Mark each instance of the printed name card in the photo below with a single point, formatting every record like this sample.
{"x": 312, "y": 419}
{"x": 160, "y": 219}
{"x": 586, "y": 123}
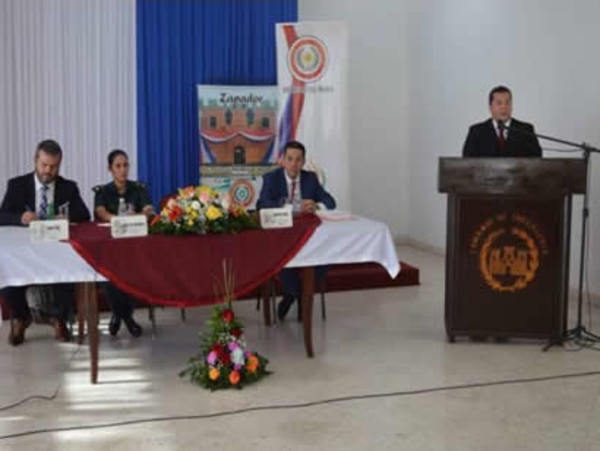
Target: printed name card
{"x": 276, "y": 218}
{"x": 48, "y": 230}
{"x": 128, "y": 226}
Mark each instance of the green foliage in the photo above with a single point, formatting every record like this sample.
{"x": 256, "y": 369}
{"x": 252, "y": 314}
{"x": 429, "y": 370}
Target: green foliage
{"x": 229, "y": 224}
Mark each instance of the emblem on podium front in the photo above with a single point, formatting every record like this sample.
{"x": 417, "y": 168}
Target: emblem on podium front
{"x": 509, "y": 249}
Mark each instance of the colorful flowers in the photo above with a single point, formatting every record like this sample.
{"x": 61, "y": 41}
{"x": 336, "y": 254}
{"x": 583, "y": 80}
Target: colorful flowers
{"x": 214, "y": 374}
{"x": 174, "y": 213}
{"x": 224, "y": 360}
{"x": 237, "y": 357}
{"x": 228, "y": 315}
{"x": 213, "y": 213}
{"x": 252, "y": 364}
{"x": 234, "y": 377}
{"x": 236, "y": 332}
{"x": 201, "y": 210}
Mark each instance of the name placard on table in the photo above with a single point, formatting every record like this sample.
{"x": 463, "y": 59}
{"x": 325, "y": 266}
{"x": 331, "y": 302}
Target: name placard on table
{"x": 276, "y": 218}
{"x": 128, "y": 226}
{"x": 48, "y": 230}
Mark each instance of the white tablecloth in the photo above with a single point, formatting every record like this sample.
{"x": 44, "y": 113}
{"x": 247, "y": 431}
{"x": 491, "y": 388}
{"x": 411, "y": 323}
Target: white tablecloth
{"x": 353, "y": 240}
{"x": 26, "y": 263}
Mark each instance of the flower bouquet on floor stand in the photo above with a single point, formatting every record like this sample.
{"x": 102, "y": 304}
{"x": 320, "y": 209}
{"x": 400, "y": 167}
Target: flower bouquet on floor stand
{"x": 224, "y": 360}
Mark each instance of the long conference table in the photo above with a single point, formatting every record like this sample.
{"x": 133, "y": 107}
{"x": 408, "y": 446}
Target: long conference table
{"x": 337, "y": 240}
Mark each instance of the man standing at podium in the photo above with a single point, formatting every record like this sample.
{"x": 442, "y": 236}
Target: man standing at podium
{"x": 501, "y": 135}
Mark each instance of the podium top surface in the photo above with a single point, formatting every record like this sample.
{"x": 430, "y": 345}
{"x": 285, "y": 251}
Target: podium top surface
{"x": 545, "y": 177}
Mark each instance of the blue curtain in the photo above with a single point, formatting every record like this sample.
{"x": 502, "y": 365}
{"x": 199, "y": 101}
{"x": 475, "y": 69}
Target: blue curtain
{"x": 183, "y": 43}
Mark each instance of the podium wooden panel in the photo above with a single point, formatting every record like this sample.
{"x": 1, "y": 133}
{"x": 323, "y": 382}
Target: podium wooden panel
{"x": 507, "y": 254}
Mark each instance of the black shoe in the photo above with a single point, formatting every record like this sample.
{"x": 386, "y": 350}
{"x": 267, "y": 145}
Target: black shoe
{"x": 284, "y": 306}
{"x": 134, "y": 328}
{"x": 16, "y": 335}
{"x": 61, "y": 331}
{"x": 114, "y": 325}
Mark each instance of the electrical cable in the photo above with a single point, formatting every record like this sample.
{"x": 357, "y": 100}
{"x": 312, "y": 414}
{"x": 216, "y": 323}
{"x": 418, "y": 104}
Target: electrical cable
{"x": 342, "y": 399}
{"x": 43, "y": 397}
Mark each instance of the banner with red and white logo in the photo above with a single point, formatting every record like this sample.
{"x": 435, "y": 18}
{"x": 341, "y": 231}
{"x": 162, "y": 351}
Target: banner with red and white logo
{"x": 238, "y": 129}
{"x": 311, "y": 74}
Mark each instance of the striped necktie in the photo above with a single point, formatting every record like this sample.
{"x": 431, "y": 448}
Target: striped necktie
{"x": 44, "y": 202}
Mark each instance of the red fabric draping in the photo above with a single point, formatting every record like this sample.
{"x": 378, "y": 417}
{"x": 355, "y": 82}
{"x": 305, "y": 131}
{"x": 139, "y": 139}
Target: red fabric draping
{"x": 181, "y": 270}
{"x": 223, "y": 135}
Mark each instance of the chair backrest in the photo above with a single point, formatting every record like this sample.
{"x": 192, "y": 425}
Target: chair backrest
{"x": 96, "y": 189}
{"x": 311, "y": 166}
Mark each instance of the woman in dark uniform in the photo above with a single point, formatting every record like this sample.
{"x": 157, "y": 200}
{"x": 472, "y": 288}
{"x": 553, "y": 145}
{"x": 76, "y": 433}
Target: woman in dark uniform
{"x": 121, "y": 196}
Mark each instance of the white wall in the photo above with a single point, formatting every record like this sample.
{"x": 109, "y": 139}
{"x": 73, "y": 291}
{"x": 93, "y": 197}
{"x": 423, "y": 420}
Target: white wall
{"x": 378, "y": 105}
{"x": 420, "y": 72}
{"x": 543, "y": 49}
{"x": 67, "y": 72}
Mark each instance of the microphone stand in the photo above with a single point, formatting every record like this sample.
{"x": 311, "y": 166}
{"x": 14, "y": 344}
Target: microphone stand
{"x": 579, "y": 333}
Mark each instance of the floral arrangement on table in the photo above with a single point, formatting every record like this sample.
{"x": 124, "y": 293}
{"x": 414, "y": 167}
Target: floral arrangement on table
{"x": 200, "y": 210}
{"x": 224, "y": 360}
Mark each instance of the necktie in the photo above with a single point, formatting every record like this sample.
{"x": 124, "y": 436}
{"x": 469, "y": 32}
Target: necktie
{"x": 501, "y": 140}
{"x": 44, "y": 202}
{"x": 293, "y": 195}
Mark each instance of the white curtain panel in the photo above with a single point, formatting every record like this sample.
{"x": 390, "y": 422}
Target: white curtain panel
{"x": 67, "y": 72}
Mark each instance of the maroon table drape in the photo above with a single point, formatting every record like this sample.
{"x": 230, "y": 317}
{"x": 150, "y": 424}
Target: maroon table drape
{"x": 181, "y": 270}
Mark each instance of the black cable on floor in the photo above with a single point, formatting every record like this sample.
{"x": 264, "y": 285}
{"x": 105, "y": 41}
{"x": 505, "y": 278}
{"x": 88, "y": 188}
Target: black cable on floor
{"x": 302, "y": 405}
{"x": 43, "y": 397}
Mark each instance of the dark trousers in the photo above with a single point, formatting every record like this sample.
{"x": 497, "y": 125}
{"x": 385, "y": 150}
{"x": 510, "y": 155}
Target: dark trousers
{"x": 64, "y": 297}
{"x": 290, "y": 279}
{"x": 119, "y": 302}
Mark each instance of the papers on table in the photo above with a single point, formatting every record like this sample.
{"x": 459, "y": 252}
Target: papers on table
{"x": 334, "y": 215}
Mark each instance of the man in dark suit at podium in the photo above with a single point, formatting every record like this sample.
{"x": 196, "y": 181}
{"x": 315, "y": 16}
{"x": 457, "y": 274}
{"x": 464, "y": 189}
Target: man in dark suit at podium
{"x": 38, "y": 195}
{"x": 491, "y": 139}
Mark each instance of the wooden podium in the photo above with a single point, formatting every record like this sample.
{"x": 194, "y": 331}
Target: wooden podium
{"x": 507, "y": 253}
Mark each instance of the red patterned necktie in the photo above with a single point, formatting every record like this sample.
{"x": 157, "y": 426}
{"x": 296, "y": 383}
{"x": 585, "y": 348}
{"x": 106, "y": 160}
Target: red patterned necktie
{"x": 293, "y": 191}
{"x": 501, "y": 140}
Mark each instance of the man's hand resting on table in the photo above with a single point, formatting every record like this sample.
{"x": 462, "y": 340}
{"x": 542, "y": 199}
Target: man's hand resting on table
{"x": 27, "y": 217}
{"x": 308, "y": 206}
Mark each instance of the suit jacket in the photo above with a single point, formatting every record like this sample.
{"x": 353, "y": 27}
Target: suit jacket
{"x": 20, "y": 195}
{"x": 482, "y": 141}
{"x": 274, "y": 190}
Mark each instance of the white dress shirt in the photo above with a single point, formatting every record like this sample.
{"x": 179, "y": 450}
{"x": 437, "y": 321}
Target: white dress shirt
{"x": 297, "y": 195}
{"x": 505, "y": 131}
{"x": 38, "y": 195}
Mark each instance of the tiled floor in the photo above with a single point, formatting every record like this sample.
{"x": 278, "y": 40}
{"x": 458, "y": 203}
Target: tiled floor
{"x": 374, "y": 342}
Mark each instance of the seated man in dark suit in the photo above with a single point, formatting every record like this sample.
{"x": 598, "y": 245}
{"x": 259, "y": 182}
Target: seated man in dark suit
{"x": 38, "y": 195}
{"x": 292, "y": 185}
{"x": 490, "y": 139}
